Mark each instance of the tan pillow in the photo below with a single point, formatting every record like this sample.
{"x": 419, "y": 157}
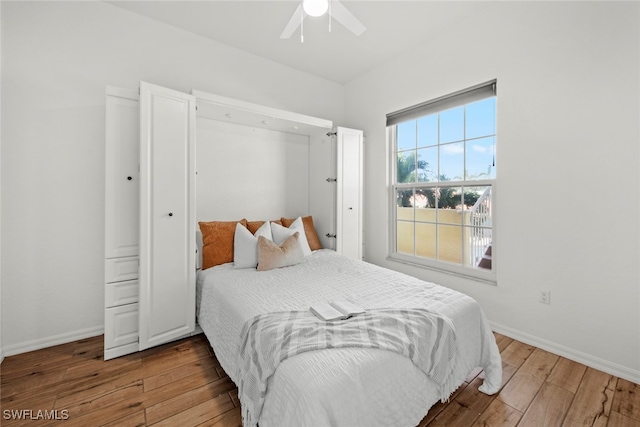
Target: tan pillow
{"x": 253, "y": 226}
{"x": 272, "y": 256}
{"x": 217, "y": 241}
{"x": 309, "y": 231}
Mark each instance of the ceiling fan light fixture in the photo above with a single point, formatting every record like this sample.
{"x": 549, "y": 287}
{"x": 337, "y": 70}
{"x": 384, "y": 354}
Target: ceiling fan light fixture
{"x": 315, "y": 7}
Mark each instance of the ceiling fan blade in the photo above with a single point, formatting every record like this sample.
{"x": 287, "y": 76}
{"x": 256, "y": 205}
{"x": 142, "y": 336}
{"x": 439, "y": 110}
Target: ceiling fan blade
{"x": 346, "y": 18}
{"x": 293, "y": 24}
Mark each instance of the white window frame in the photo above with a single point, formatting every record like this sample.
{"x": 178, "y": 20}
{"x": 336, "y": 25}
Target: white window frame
{"x": 440, "y": 104}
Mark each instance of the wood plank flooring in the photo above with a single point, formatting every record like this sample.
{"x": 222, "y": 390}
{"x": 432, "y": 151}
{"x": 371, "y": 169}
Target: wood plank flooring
{"x": 182, "y": 384}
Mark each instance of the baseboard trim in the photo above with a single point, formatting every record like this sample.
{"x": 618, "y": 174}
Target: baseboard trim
{"x": 569, "y": 353}
{"x": 12, "y": 350}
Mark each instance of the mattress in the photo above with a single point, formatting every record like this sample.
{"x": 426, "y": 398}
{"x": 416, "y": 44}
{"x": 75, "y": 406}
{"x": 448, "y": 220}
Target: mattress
{"x": 349, "y": 386}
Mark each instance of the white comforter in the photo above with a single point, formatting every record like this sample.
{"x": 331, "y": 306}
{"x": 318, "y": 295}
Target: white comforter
{"x": 342, "y": 387}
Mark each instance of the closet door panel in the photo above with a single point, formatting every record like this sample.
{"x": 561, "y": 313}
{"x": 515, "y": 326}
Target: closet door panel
{"x": 120, "y": 269}
{"x": 121, "y": 293}
{"x": 167, "y": 215}
{"x": 349, "y": 193}
{"x": 121, "y": 176}
{"x": 322, "y": 188}
{"x": 121, "y": 326}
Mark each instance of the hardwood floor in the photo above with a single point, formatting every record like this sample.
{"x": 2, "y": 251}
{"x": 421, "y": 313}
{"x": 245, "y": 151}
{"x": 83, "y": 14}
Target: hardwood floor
{"x": 182, "y": 384}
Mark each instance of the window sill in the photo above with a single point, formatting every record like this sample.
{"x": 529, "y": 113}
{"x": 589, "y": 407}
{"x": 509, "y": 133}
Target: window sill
{"x": 486, "y": 277}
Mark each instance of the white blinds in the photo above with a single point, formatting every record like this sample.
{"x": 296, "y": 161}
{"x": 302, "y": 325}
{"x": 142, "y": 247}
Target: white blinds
{"x": 465, "y": 96}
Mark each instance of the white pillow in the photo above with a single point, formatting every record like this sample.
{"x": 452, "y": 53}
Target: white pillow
{"x": 245, "y": 245}
{"x": 280, "y": 234}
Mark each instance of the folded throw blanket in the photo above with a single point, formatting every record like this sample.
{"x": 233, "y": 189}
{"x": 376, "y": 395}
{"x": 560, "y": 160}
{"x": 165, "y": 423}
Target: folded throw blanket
{"x": 426, "y": 338}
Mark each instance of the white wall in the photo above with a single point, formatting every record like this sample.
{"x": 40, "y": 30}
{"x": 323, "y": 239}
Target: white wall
{"x": 1, "y": 351}
{"x": 274, "y": 165}
{"x": 57, "y": 59}
{"x": 567, "y": 163}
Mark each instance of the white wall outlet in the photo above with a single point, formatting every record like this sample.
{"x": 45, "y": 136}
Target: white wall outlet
{"x": 545, "y": 296}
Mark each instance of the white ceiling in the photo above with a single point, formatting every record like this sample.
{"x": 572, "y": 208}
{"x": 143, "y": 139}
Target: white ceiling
{"x": 339, "y": 56}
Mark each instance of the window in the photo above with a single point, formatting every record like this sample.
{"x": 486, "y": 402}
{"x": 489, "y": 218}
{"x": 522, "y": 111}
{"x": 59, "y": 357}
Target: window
{"x": 443, "y": 175}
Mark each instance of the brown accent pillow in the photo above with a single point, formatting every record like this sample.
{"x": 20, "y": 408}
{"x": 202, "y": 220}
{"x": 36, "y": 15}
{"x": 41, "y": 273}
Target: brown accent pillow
{"x": 217, "y": 241}
{"x": 253, "y": 226}
{"x": 309, "y": 231}
{"x": 272, "y": 256}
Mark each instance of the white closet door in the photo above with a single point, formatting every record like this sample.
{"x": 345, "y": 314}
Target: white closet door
{"x": 349, "y": 193}
{"x": 167, "y": 215}
{"x": 322, "y": 190}
{"x": 121, "y": 174}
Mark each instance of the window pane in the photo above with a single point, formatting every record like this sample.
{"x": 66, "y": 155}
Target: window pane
{"x": 471, "y": 253}
{"x": 452, "y": 161}
{"x": 419, "y": 200}
{"x": 426, "y": 240}
{"x": 406, "y": 167}
{"x": 478, "y": 246}
{"x": 452, "y": 125}
{"x": 404, "y": 199}
{"x": 404, "y": 237}
{"x": 450, "y": 216}
{"x": 426, "y": 215}
{"x": 480, "y": 160}
{"x": 479, "y": 236}
{"x": 449, "y": 198}
{"x": 450, "y": 243}
{"x": 428, "y": 164}
{"x": 473, "y": 195}
{"x": 406, "y": 135}
{"x": 485, "y": 260}
{"x": 427, "y": 198}
{"x": 480, "y": 118}
{"x": 448, "y": 202}
{"x": 428, "y": 130}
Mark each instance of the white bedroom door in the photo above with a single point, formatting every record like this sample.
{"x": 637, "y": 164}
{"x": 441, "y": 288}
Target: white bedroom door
{"x": 349, "y": 192}
{"x": 167, "y": 215}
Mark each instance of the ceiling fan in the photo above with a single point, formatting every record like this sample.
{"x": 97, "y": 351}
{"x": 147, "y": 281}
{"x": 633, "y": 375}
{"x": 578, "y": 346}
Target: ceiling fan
{"x": 334, "y": 8}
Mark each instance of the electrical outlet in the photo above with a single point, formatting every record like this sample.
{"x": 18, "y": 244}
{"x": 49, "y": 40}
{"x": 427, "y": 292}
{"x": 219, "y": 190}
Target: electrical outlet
{"x": 545, "y": 296}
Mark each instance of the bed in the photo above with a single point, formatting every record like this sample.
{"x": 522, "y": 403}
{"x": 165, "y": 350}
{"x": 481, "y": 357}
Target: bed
{"x": 345, "y": 386}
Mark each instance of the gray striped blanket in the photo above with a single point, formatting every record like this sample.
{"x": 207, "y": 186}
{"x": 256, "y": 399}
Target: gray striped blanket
{"x": 428, "y": 339}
